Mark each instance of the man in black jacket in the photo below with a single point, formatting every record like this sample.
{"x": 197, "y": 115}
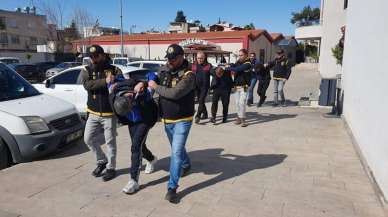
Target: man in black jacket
{"x": 241, "y": 71}
{"x": 96, "y": 79}
{"x": 176, "y": 105}
{"x": 264, "y": 77}
{"x": 201, "y": 69}
{"x": 221, "y": 85}
{"x": 281, "y": 73}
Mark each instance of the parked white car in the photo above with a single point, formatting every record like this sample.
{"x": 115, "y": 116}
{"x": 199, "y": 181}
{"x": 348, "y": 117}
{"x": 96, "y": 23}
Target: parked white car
{"x": 153, "y": 65}
{"x": 32, "y": 124}
{"x": 67, "y": 85}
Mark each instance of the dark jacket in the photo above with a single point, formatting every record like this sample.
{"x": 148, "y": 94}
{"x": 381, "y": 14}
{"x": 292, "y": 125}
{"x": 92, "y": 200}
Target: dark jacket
{"x": 281, "y": 68}
{"x": 176, "y": 93}
{"x": 144, "y": 108}
{"x": 224, "y": 83}
{"x": 254, "y": 71}
{"x": 243, "y": 73}
{"x": 202, "y": 75}
{"x": 93, "y": 80}
{"x": 263, "y": 73}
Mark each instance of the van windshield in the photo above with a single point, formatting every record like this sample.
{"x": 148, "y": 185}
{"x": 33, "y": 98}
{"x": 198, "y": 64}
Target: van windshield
{"x": 13, "y": 86}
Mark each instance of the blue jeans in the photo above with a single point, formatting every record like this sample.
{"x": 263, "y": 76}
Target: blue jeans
{"x": 177, "y": 134}
{"x": 250, "y": 89}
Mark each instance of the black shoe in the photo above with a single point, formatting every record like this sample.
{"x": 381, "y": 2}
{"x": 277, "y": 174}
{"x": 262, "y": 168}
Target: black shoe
{"x": 186, "y": 171}
{"x": 172, "y": 196}
{"x": 204, "y": 116}
{"x": 197, "y": 119}
{"x": 109, "y": 175}
{"x": 249, "y": 103}
{"x": 224, "y": 120}
{"x": 99, "y": 169}
{"x": 213, "y": 120}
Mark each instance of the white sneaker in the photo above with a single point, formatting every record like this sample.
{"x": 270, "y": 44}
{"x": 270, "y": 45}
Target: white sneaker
{"x": 150, "y": 166}
{"x": 131, "y": 187}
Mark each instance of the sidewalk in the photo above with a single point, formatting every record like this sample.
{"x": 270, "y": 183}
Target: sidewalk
{"x": 290, "y": 162}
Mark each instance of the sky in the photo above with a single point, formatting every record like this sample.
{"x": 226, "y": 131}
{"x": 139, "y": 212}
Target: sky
{"x": 274, "y": 15}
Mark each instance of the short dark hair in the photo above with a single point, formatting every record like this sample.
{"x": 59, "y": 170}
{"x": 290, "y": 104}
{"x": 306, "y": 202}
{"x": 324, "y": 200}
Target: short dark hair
{"x": 244, "y": 51}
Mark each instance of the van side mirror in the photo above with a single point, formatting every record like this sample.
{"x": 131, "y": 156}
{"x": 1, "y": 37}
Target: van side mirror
{"x": 48, "y": 83}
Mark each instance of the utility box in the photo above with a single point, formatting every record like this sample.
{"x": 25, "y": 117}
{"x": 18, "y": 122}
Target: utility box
{"x": 327, "y": 92}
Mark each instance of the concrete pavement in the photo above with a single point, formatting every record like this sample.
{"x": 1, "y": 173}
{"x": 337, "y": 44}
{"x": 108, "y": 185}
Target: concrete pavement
{"x": 290, "y": 162}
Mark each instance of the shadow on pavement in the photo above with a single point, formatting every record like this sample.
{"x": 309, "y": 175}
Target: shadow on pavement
{"x": 213, "y": 162}
{"x": 254, "y": 118}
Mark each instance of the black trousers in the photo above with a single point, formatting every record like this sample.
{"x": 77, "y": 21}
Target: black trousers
{"x": 262, "y": 88}
{"x": 138, "y": 133}
{"x": 225, "y": 98}
{"x": 201, "y": 95}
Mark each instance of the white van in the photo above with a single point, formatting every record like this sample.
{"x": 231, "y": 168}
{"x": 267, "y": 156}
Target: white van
{"x": 32, "y": 124}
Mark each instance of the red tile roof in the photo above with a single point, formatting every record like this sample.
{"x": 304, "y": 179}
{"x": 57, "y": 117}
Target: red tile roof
{"x": 276, "y": 36}
{"x": 252, "y": 34}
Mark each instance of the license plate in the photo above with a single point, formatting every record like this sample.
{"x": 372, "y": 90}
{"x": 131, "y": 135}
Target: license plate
{"x": 73, "y": 136}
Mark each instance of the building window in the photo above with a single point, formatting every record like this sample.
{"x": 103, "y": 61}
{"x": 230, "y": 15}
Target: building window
{"x": 262, "y": 55}
{"x": 33, "y": 41}
{"x": 2, "y": 23}
{"x": 31, "y": 25}
{"x": 345, "y": 4}
{"x": 3, "y": 38}
{"x": 12, "y": 23}
{"x": 15, "y": 39}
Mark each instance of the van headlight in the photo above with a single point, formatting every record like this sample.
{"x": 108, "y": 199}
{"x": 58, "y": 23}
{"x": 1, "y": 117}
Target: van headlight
{"x": 36, "y": 124}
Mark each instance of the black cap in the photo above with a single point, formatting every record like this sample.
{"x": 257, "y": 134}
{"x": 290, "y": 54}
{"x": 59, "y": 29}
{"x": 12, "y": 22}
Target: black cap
{"x": 122, "y": 105}
{"x": 95, "y": 49}
{"x": 173, "y": 51}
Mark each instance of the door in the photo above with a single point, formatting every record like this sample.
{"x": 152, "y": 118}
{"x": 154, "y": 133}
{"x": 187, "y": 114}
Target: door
{"x": 64, "y": 85}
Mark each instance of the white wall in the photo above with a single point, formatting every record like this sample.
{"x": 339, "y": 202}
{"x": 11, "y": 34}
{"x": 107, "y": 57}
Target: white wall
{"x": 334, "y": 17}
{"x": 365, "y": 76}
{"x": 159, "y": 50}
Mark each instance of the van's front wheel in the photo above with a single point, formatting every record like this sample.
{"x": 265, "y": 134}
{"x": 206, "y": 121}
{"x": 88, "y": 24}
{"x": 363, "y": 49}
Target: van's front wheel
{"x": 4, "y": 155}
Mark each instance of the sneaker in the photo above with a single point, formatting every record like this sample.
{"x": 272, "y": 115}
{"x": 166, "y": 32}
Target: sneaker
{"x": 197, "y": 119}
{"x": 171, "y": 196}
{"x": 99, "y": 169}
{"x": 224, "y": 120}
{"x": 213, "y": 120}
{"x": 150, "y": 166}
{"x": 186, "y": 171}
{"x": 109, "y": 175}
{"x": 238, "y": 121}
{"x": 131, "y": 187}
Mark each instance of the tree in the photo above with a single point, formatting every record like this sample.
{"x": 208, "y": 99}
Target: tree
{"x": 307, "y": 16}
{"x": 54, "y": 11}
{"x": 180, "y": 17}
{"x": 250, "y": 26}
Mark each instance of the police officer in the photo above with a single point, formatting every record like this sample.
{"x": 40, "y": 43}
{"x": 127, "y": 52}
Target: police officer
{"x": 96, "y": 79}
{"x": 241, "y": 71}
{"x": 176, "y": 104}
{"x": 281, "y": 73}
{"x": 254, "y": 62}
{"x": 201, "y": 69}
